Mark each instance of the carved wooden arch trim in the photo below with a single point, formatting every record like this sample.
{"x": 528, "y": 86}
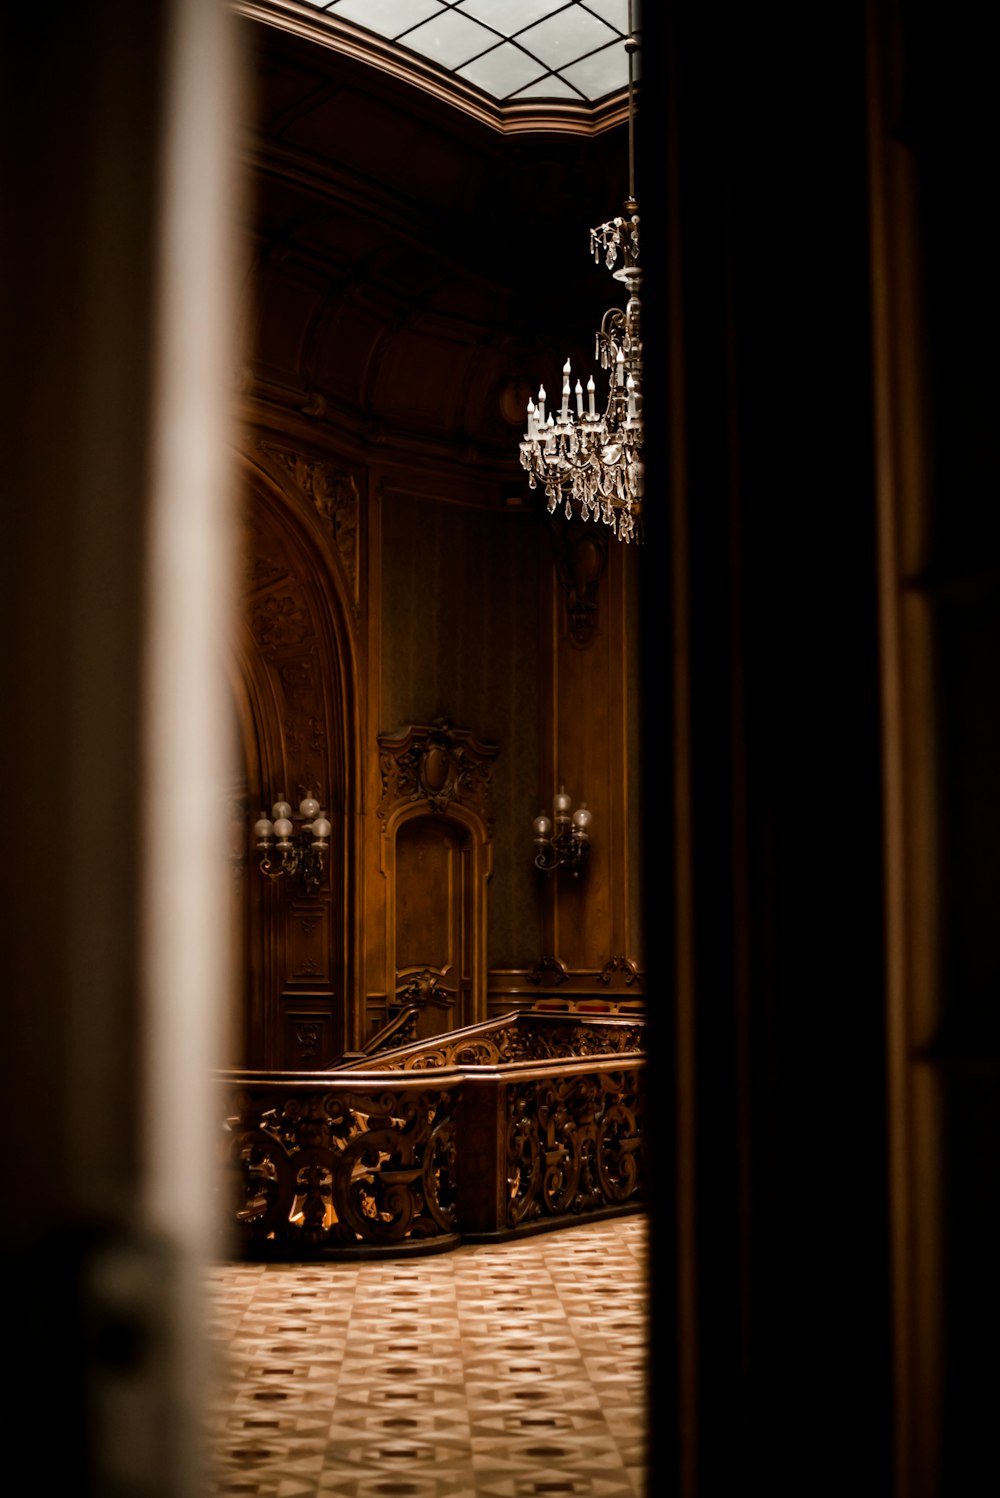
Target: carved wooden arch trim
{"x": 438, "y": 773}
{"x": 298, "y": 623}
{"x": 327, "y": 492}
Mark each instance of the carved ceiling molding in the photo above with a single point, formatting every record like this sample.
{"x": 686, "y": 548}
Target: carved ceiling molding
{"x": 333, "y": 492}
{"x": 581, "y": 554}
{"x": 439, "y": 765}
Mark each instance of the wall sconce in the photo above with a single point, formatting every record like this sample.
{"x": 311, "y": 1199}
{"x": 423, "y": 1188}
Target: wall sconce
{"x": 301, "y": 848}
{"x": 566, "y": 847}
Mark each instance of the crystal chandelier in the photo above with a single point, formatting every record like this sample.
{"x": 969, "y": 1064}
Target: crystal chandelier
{"x": 585, "y": 459}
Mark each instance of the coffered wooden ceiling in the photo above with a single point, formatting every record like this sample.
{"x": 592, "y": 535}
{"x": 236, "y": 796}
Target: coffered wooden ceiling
{"x": 417, "y": 271}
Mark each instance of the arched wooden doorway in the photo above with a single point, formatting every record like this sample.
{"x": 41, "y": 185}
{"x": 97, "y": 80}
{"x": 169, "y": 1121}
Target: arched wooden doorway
{"x": 437, "y": 856}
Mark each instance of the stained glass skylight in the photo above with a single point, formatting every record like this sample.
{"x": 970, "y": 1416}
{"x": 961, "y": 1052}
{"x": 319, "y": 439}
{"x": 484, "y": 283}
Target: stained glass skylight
{"x": 511, "y": 49}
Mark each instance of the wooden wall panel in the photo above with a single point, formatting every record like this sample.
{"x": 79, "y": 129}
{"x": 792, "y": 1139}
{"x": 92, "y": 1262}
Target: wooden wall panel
{"x": 590, "y": 591}
{"x": 428, "y": 894}
{"x": 294, "y": 690}
{"x": 308, "y": 1035}
{"x": 460, "y": 617}
{"x": 308, "y": 933}
{"x": 433, "y": 914}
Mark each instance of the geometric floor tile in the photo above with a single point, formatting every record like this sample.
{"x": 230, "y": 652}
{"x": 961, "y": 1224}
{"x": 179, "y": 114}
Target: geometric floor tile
{"x": 514, "y": 1370}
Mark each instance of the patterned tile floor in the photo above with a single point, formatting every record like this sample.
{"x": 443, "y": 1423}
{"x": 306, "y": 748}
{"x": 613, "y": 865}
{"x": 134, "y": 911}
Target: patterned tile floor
{"x": 510, "y": 1370}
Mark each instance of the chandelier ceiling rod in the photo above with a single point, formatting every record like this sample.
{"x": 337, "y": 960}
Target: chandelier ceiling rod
{"x": 631, "y": 47}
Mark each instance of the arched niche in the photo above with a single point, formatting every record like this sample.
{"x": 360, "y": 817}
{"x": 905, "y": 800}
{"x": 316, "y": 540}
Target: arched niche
{"x": 437, "y": 856}
{"x": 293, "y": 677}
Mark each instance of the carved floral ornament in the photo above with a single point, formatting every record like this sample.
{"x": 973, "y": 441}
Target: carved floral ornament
{"x": 438, "y": 764}
{"x": 620, "y": 964}
{"x": 580, "y": 555}
{"x": 424, "y": 988}
{"x": 334, "y": 495}
{"x": 552, "y": 971}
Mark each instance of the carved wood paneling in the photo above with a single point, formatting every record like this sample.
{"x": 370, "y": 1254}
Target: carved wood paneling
{"x": 589, "y": 727}
{"x": 580, "y": 553}
{"x": 429, "y": 895}
{"x": 618, "y": 978}
{"x": 437, "y": 764}
{"x": 308, "y": 942}
{"x": 332, "y": 490}
{"x": 306, "y": 1036}
{"x": 294, "y": 705}
{"x": 436, "y": 816}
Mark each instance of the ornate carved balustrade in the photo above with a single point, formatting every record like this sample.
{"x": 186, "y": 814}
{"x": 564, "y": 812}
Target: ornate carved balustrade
{"x": 546, "y": 1145}
{"x": 526, "y": 1122}
{"x": 316, "y": 1163}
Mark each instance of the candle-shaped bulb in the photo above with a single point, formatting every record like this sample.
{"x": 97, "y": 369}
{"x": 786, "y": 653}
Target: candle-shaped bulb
{"x": 590, "y": 397}
{"x": 579, "y": 399}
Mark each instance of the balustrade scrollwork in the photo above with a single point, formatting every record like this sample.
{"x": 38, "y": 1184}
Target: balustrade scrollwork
{"x": 336, "y": 1169}
{"x": 573, "y": 1144}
